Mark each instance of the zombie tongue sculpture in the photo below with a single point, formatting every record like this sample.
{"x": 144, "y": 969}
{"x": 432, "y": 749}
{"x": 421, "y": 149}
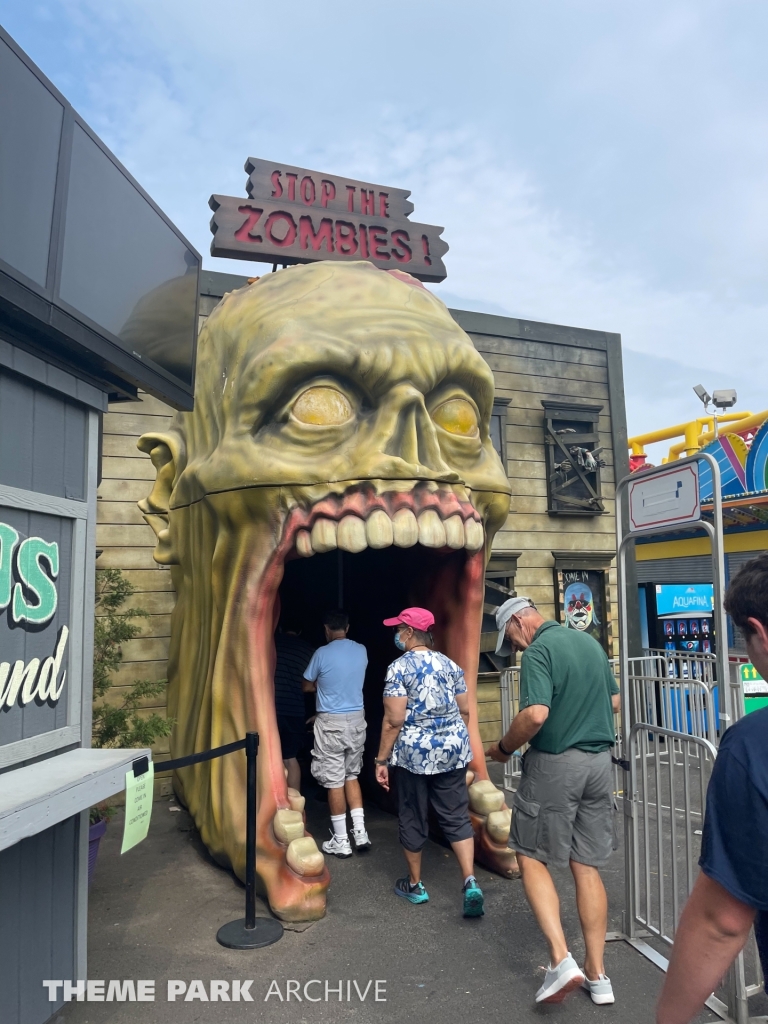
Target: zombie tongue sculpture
{"x": 336, "y": 406}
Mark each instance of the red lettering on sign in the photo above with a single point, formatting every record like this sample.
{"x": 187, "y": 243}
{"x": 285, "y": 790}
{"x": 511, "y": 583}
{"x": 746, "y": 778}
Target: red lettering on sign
{"x": 366, "y": 201}
{"x": 243, "y": 233}
{"x": 378, "y": 238}
{"x": 363, "y": 242}
{"x": 346, "y": 238}
{"x": 327, "y": 191}
{"x": 291, "y": 185}
{"x": 425, "y": 247}
{"x": 290, "y": 230}
{"x": 401, "y": 250}
{"x": 307, "y": 191}
{"x": 307, "y": 234}
{"x": 277, "y": 185}
{"x": 351, "y": 189}
{"x": 383, "y": 204}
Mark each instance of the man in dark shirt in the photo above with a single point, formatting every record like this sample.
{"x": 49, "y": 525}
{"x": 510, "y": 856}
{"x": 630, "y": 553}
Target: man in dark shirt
{"x": 564, "y": 803}
{"x": 731, "y": 893}
{"x": 292, "y": 655}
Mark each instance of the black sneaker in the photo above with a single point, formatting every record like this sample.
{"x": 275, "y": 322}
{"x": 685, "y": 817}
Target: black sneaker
{"x": 413, "y": 893}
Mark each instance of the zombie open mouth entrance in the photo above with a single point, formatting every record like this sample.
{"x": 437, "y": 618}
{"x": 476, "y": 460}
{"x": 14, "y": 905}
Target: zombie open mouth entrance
{"x": 373, "y": 585}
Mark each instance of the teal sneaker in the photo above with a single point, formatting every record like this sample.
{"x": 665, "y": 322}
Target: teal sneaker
{"x": 473, "y": 898}
{"x": 414, "y": 893}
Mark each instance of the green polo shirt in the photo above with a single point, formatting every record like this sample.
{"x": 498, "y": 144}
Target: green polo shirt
{"x": 568, "y": 671}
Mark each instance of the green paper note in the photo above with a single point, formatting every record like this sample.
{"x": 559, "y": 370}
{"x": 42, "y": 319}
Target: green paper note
{"x": 138, "y": 807}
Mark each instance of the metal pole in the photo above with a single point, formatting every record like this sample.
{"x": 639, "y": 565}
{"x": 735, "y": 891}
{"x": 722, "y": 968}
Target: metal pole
{"x": 250, "y": 932}
{"x": 251, "y": 750}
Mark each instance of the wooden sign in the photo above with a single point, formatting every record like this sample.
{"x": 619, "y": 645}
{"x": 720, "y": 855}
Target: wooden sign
{"x": 294, "y": 215}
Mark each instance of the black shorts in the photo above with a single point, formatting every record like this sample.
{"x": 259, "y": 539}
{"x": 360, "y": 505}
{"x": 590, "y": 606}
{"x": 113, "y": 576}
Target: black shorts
{"x": 293, "y": 734}
{"x": 449, "y": 796}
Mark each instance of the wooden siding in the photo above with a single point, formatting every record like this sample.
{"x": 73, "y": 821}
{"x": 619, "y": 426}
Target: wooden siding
{"x": 575, "y": 367}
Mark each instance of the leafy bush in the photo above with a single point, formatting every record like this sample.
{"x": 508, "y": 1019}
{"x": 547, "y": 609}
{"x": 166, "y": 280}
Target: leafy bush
{"x": 120, "y": 725}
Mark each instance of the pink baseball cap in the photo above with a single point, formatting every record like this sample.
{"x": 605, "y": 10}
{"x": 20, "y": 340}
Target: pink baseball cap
{"x": 418, "y": 618}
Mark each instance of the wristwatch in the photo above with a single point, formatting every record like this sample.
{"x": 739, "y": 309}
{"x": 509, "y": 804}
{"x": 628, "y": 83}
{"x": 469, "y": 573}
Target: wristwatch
{"x": 381, "y": 760}
{"x": 506, "y": 753}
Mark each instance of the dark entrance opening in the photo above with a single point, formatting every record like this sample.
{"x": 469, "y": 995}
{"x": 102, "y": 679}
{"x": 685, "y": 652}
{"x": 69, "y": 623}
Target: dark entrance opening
{"x": 370, "y": 586}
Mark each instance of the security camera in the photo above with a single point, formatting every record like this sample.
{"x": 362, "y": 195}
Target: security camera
{"x": 703, "y": 395}
{"x": 724, "y": 399}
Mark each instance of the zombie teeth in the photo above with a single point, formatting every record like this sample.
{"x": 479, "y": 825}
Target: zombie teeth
{"x": 431, "y": 530}
{"x": 454, "y": 532}
{"x": 378, "y": 529}
{"x": 404, "y": 530}
{"x": 351, "y": 534}
{"x": 473, "y": 535}
{"x": 324, "y": 535}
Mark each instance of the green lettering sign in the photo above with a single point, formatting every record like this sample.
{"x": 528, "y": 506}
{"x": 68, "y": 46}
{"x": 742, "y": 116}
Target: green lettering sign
{"x": 32, "y": 552}
{"x": 8, "y": 538}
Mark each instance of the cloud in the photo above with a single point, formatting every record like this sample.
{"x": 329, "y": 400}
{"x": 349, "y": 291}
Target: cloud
{"x": 614, "y": 178}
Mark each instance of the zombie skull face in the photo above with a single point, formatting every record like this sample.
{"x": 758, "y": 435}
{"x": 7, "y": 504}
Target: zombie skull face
{"x": 337, "y": 407}
{"x": 579, "y": 606}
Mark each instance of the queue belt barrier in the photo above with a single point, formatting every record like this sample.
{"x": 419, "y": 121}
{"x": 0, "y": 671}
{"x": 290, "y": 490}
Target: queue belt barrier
{"x": 250, "y": 932}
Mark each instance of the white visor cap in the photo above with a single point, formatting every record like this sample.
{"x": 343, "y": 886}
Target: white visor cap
{"x": 505, "y": 612}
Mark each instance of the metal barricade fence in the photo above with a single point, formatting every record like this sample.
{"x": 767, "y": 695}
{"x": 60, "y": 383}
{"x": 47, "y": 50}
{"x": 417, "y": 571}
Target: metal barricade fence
{"x": 675, "y": 690}
{"x": 669, "y": 774}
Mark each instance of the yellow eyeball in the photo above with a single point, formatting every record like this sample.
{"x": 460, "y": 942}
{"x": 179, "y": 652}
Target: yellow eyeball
{"x": 457, "y": 416}
{"x": 322, "y": 406}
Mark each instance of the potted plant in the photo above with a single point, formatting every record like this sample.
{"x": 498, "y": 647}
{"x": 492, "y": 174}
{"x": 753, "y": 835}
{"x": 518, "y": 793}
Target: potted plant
{"x": 100, "y": 815}
{"x": 118, "y": 723}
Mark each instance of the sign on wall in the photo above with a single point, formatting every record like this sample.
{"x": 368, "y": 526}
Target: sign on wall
{"x": 294, "y": 215}
{"x": 35, "y": 571}
{"x": 581, "y": 594}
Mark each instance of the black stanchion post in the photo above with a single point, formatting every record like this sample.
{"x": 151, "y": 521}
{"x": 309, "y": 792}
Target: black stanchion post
{"x": 250, "y": 932}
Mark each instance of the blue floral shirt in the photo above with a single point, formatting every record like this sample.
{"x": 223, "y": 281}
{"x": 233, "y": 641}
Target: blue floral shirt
{"x": 434, "y": 737}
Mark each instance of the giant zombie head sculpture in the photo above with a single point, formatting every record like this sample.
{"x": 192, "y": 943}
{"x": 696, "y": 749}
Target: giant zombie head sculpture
{"x": 337, "y": 406}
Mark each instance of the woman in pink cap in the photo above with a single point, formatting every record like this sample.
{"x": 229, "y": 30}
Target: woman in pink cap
{"x": 425, "y": 742}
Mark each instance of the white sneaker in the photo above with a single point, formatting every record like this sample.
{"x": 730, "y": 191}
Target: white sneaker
{"x": 600, "y": 990}
{"x": 560, "y": 980}
{"x": 338, "y": 846}
{"x": 362, "y": 841}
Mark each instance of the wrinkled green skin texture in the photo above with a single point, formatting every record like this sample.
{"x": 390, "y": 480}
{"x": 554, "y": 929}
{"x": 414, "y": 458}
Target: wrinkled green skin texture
{"x": 237, "y": 474}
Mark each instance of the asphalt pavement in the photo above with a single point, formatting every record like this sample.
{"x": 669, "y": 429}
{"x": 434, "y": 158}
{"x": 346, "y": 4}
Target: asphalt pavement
{"x": 155, "y": 911}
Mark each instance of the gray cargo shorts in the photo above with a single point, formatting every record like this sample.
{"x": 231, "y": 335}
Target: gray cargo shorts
{"x": 563, "y": 808}
{"x": 338, "y": 751}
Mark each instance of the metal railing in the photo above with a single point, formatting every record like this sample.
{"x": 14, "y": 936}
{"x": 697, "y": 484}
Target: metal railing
{"x": 675, "y": 690}
{"x": 669, "y": 774}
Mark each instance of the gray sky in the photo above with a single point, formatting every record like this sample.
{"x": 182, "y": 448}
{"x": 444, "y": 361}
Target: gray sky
{"x": 594, "y": 163}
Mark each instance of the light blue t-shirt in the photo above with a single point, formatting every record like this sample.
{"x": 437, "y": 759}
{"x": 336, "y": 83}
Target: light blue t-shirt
{"x": 339, "y": 671}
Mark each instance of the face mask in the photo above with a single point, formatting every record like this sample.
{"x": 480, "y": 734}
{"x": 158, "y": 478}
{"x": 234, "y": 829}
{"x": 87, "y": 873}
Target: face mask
{"x": 399, "y": 642}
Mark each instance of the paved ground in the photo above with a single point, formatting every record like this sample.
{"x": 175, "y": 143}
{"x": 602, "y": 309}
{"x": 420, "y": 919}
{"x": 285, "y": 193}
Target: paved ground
{"x": 155, "y": 911}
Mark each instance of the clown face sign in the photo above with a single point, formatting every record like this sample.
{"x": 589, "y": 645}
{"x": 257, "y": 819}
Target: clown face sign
{"x": 581, "y": 601}
{"x": 579, "y": 606}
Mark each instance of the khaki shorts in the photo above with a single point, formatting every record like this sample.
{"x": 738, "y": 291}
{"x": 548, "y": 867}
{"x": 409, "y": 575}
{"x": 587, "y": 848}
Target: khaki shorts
{"x": 338, "y": 751}
{"x": 563, "y": 808}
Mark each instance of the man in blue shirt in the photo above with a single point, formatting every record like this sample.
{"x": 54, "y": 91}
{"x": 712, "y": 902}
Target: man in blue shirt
{"x": 731, "y": 893}
{"x": 336, "y": 673}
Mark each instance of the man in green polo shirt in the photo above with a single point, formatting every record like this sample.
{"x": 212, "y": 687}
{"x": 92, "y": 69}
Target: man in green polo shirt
{"x": 563, "y": 808}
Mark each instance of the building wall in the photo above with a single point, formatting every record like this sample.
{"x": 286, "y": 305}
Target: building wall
{"x": 531, "y": 362}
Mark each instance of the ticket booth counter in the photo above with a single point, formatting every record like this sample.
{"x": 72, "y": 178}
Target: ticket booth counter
{"x": 98, "y": 298}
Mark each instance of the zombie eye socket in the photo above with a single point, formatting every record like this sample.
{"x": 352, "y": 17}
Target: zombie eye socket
{"x": 322, "y": 406}
{"x": 457, "y": 416}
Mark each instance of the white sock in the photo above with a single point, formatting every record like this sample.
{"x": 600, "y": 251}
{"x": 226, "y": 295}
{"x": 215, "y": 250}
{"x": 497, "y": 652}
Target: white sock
{"x": 358, "y": 818}
{"x": 468, "y": 878}
{"x": 339, "y": 822}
